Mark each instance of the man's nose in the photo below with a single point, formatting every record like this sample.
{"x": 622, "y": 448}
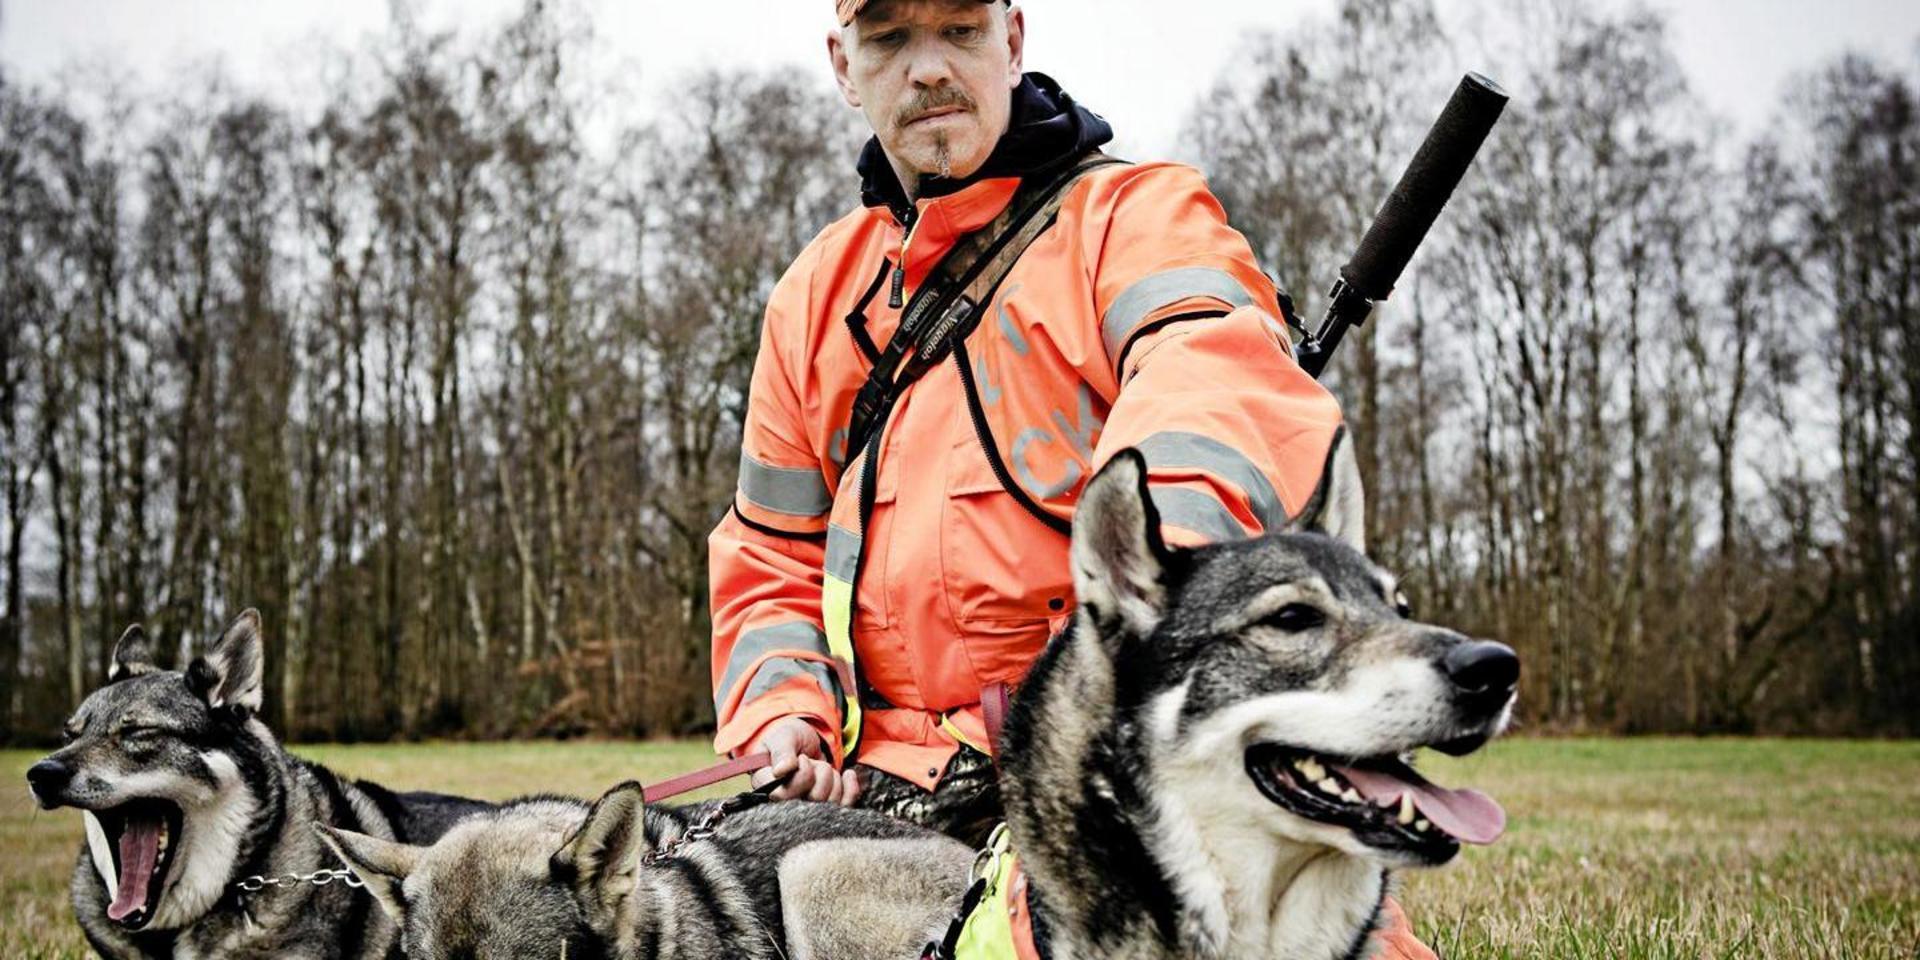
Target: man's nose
{"x": 48, "y": 778}
{"x": 927, "y": 65}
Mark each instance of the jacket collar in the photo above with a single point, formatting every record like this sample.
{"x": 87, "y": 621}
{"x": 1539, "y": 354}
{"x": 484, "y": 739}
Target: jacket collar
{"x": 1045, "y": 131}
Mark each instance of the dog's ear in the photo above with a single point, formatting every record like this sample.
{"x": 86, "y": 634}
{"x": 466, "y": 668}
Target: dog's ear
{"x": 132, "y": 655}
{"x": 228, "y": 677}
{"x": 1338, "y": 507}
{"x": 601, "y": 859}
{"x": 1118, "y": 556}
{"x": 382, "y": 865}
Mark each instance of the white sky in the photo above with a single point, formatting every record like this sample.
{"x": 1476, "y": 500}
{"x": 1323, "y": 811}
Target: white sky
{"x": 1138, "y": 63}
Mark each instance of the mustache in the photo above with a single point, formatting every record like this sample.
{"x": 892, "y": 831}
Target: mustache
{"x": 935, "y": 99}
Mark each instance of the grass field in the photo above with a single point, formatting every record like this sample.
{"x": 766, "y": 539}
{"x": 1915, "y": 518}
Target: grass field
{"x": 1618, "y": 848}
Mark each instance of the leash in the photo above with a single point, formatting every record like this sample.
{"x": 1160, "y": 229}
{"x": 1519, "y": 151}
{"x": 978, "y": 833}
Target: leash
{"x": 705, "y": 776}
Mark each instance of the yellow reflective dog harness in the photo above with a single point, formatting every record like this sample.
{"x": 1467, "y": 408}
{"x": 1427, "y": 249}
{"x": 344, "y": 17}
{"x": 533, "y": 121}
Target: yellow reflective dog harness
{"x": 993, "y": 922}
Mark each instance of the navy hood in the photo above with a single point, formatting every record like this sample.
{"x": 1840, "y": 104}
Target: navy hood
{"x": 1046, "y": 131}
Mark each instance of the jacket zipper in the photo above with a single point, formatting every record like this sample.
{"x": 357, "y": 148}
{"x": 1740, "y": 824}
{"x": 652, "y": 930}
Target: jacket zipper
{"x": 896, "y": 295}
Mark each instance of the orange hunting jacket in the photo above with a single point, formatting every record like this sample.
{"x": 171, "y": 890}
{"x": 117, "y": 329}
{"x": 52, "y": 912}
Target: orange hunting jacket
{"x": 1139, "y": 319}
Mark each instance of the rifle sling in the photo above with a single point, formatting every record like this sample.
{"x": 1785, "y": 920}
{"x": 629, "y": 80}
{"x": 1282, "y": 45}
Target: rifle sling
{"x": 948, "y": 305}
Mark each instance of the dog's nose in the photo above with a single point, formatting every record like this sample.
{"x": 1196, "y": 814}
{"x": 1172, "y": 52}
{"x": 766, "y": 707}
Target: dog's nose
{"x": 1482, "y": 669}
{"x": 48, "y": 777}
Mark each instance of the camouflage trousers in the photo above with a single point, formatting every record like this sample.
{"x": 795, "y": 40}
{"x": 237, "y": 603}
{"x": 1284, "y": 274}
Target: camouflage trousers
{"x": 965, "y": 804}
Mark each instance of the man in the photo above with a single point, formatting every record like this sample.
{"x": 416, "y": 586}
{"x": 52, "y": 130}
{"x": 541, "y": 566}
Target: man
{"x": 865, "y": 599}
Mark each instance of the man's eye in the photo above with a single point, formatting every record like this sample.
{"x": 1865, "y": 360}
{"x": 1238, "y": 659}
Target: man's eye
{"x": 962, "y": 33}
{"x": 891, "y": 38}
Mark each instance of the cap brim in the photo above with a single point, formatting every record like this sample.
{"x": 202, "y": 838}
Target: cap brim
{"x": 848, "y": 9}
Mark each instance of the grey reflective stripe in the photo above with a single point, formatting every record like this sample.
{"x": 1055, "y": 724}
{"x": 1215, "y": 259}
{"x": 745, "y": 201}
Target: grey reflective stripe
{"x": 794, "y": 491}
{"x": 1193, "y": 510}
{"x": 773, "y": 671}
{"x": 754, "y": 644}
{"x": 1176, "y": 449}
{"x": 843, "y": 553}
{"x": 1172, "y": 286}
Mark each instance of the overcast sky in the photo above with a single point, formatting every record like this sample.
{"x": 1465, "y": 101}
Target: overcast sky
{"x": 1140, "y": 64}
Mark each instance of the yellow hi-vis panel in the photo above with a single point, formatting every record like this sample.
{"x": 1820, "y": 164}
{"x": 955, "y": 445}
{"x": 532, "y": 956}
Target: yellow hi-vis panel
{"x": 988, "y": 933}
{"x": 836, "y": 606}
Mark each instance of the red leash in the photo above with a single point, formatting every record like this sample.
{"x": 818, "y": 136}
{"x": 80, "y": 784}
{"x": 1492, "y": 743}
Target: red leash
{"x": 705, "y": 776}
{"x": 993, "y": 704}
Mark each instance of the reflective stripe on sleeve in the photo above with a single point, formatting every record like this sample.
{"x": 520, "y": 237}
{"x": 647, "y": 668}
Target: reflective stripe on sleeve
{"x": 1179, "y": 450}
{"x": 1193, "y": 510}
{"x": 1163, "y": 289}
{"x": 792, "y": 491}
{"x": 755, "y": 644}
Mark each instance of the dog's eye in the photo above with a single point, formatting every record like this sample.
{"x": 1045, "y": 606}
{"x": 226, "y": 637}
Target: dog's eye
{"x": 1295, "y": 617}
{"x": 69, "y": 733}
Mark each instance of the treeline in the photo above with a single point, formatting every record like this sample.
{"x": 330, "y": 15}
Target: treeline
{"x": 445, "y": 374}
{"x": 1646, "y": 410}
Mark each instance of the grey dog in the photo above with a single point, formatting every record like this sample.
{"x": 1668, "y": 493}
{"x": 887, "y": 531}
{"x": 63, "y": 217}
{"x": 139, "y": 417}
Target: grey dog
{"x": 547, "y": 877}
{"x": 185, "y": 794}
{"x": 1212, "y": 760}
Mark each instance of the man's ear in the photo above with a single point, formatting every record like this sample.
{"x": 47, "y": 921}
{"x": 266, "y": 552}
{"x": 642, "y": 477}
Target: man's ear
{"x": 1016, "y": 46}
{"x": 132, "y": 656}
{"x": 601, "y": 859}
{"x": 1118, "y": 556}
{"x": 842, "y": 69}
{"x": 228, "y": 676}
{"x": 382, "y": 865}
{"x": 1338, "y": 507}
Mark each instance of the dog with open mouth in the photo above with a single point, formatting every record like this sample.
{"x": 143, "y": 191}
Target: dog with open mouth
{"x": 1213, "y": 760}
{"x": 185, "y": 795}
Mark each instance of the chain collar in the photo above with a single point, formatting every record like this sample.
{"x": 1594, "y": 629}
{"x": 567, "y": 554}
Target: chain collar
{"x": 706, "y": 825}
{"x": 318, "y": 878}
{"x": 243, "y": 890}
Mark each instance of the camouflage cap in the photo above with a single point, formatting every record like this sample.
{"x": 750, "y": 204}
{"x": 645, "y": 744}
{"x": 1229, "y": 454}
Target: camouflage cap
{"x": 848, "y": 9}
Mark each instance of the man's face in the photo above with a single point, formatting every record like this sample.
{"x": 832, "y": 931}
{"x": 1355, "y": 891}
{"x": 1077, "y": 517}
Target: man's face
{"x": 933, "y": 78}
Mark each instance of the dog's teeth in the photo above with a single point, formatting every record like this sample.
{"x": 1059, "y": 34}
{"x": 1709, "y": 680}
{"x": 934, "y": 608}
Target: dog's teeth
{"x": 1330, "y": 785}
{"x": 1421, "y": 825}
{"x": 1349, "y": 796}
{"x": 1311, "y": 768}
{"x": 1406, "y": 809}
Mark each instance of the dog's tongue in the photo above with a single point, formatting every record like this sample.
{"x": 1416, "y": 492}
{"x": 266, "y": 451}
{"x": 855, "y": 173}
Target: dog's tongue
{"x": 1466, "y": 815}
{"x": 139, "y": 848}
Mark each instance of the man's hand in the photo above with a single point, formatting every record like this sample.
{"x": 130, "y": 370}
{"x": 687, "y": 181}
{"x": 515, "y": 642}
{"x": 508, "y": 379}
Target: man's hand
{"x": 800, "y": 760}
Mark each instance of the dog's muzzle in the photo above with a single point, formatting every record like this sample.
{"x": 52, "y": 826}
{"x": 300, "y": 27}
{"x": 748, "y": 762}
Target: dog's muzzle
{"x": 48, "y": 780}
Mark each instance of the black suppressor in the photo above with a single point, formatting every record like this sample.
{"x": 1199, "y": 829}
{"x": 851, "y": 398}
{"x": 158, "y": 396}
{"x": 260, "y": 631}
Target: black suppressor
{"x": 1409, "y": 212}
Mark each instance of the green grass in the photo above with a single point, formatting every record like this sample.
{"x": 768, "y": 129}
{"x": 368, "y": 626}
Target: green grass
{"x": 1617, "y": 848}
